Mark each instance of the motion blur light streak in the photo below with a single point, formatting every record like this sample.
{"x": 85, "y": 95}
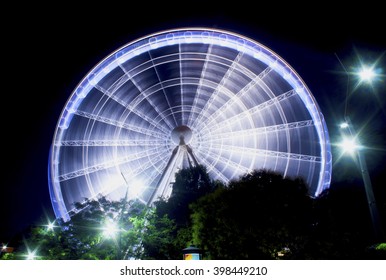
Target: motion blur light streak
{"x": 234, "y": 105}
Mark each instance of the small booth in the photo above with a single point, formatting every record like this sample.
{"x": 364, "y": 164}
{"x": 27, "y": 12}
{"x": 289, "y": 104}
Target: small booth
{"x": 192, "y": 253}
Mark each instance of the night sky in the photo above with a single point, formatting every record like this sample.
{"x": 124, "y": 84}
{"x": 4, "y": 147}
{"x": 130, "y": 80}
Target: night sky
{"x": 48, "y": 50}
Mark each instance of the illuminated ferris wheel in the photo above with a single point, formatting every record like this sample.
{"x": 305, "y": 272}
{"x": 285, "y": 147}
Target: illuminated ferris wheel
{"x": 185, "y": 97}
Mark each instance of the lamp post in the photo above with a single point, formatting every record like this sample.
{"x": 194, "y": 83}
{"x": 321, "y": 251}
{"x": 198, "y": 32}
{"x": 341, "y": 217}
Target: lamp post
{"x": 374, "y": 214}
{"x": 366, "y": 75}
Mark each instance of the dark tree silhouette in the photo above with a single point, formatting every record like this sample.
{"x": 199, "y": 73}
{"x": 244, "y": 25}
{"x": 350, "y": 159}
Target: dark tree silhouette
{"x": 260, "y": 216}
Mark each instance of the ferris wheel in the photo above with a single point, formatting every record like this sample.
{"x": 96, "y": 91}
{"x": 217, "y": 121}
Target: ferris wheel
{"x": 185, "y": 97}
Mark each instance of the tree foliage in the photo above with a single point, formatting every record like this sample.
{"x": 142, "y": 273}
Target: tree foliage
{"x": 255, "y": 217}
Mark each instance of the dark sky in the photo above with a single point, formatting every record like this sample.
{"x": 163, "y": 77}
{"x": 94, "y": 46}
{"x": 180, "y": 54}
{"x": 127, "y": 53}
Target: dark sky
{"x": 48, "y": 50}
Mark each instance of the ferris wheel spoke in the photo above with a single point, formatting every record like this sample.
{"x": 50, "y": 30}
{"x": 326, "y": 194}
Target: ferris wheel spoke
{"x": 200, "y": 93}
{"x": 236, "y": 101}
{"x": 165, "y": 96}
{"x": 112, "y": 143}
{"x": 224, "y": 134}
{"x": 107, "y": 164}
{"x": 264, "y": 152}
{"x": 245, "y": 91}
{"x": 147, "y": 164}
{"x": 212, "y": 168}
{"x": 120, "y": 124}
{"x": 221, "y": 88}
{"x": 147, "y": 95}
{"x": 113, "y": 96}
{"x": 212, "y": 125}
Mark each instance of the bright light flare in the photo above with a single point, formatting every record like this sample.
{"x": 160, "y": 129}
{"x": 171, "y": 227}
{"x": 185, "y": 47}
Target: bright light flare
{"x": 50, "y": 226}
{"x": 367, "y": 74}
{"x": 31, "y": 255}
{"x": 349, "y": 145}
{"x": 110, "y": 229}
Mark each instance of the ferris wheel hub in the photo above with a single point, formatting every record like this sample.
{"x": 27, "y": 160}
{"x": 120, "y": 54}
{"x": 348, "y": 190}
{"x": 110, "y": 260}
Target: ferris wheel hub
{"x": 181, "y": 135}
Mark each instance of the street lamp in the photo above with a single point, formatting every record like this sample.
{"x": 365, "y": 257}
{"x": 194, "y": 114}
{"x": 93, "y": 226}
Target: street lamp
{"x": 366, "y": 74}
{"x": 355, "y": 148}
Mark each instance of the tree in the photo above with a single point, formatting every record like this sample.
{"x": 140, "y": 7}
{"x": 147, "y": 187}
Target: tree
{"x": 169, "y": 230}
{"x": 190, "y": 184}
{"x": 258, "y": 216}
